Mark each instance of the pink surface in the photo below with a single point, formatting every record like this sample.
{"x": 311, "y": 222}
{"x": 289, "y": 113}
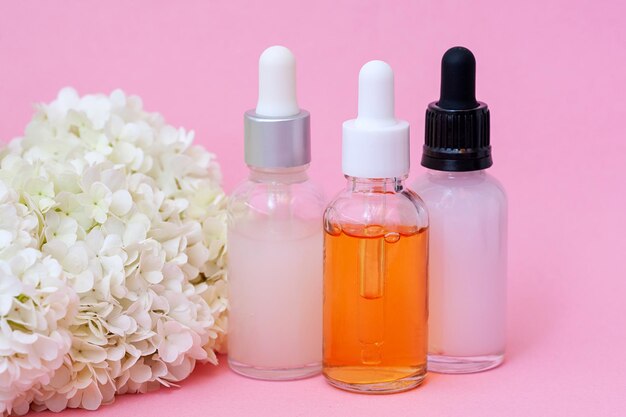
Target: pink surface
{"x": 554, "y": 75}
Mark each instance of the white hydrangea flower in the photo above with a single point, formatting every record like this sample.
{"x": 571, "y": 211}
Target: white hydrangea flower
{"x": 34, "y": 305}
{"x": 121, "y": 211}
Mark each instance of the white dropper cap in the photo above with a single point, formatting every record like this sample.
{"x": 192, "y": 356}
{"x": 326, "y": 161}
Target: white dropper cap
{"x": 277, "y": 134}
{"x": 376, "y": 144}
{"x": 277, "y": 83}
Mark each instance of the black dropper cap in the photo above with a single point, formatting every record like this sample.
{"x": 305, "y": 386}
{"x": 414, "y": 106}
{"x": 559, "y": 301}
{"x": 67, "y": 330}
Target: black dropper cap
{"x": 457, "y": 126}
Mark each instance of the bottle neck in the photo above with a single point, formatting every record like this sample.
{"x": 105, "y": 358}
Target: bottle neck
{"x": 375, "y": 185}
{"x": 451, "y": 175}
{"x": 289, "y": 175}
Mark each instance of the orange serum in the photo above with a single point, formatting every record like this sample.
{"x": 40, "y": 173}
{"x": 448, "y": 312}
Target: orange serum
{"x": 375, "y": 253}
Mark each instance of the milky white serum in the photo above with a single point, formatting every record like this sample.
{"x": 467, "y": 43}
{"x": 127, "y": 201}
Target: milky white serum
{"x": 275, "y": 237}
{"x": 468, "y": 227}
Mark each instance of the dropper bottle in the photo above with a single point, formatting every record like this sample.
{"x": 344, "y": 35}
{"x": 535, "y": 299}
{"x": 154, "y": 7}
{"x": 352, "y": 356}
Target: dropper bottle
{"x": 375, "y": 253}
{"x": 468, "y": 222}
{"x": 275, "y": 237}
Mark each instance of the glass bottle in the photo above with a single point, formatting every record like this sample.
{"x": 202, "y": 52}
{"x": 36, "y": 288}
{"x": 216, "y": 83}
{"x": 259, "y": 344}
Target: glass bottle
{"x": 275, "y": 237}
{"x": 468, "y": 226}
{"x": 375, "y": 253}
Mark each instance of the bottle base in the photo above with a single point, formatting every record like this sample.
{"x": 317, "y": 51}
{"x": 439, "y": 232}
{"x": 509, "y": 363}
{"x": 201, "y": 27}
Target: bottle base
{"x": 275, "y": 374}
{"x": 444, "y": 364}
{"x": 387, "y": 380}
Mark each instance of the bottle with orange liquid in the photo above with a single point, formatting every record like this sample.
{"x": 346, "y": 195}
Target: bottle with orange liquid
{"x": 375, "y": 253}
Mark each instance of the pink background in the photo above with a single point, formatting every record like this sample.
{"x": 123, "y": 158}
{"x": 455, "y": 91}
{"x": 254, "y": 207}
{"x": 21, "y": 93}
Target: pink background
{"x": 554, "y": 75}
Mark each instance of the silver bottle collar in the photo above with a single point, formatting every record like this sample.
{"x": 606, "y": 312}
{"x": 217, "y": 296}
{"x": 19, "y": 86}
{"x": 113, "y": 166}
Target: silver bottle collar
{"x": 277, "y": 142}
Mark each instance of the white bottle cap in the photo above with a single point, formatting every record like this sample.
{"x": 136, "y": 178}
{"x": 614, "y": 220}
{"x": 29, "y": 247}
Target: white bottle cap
{"x": 277, "y": 83}
{"x": 376, "y": 144}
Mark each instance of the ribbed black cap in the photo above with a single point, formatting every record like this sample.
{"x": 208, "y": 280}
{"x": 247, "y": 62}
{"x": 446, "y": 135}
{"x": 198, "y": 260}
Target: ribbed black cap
{"x": 457, "y": 126}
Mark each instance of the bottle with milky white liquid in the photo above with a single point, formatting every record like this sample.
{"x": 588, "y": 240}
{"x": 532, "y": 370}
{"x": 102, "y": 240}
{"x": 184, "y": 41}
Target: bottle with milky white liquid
{"x": 275, "y": 237}
{"x": 468, "y": 227}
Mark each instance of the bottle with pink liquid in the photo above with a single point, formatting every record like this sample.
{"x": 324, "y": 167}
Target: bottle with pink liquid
{"x": 468, "y": 227}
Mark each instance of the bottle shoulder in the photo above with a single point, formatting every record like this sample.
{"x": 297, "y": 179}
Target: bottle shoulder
{"x": 402, "y": 208}
{"x": 264, "y": 193}
{"x": 275, "y": 211}
{"x": 449, "y": 190}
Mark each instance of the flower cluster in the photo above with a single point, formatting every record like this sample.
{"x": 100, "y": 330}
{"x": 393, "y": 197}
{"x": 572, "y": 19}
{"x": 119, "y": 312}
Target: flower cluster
{"x": 111, "y": 218}
{"x": 35, "y": 301}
